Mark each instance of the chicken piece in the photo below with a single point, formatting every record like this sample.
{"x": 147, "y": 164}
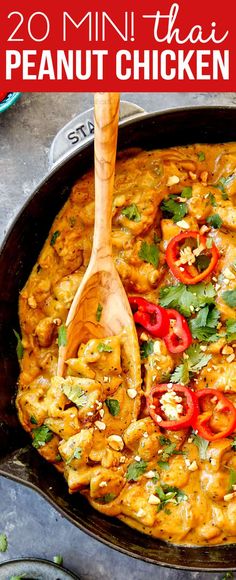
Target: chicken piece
{"x": 32, "y": 404}
{"x": 106, "y": 481}
{"x": 45, "y": 331}
{"x": 178, "y": 475}
{"x": 135, "y": 435}
{"x": 135, "y": 504}
{"x": 222, "y": 376}
{"x": 199, "y": 205}
{"x": 65, "y": 289}
{"x": 66, "y": 425}
{"x": 84, "y": 393}
{"x": 75, "y": 450}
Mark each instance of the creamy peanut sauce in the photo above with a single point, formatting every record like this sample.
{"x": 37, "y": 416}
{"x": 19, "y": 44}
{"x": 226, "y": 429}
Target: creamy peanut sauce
{"x": 96, "y": 431}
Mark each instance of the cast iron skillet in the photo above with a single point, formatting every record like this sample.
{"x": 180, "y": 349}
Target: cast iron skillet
{"x": 18, "y": 460}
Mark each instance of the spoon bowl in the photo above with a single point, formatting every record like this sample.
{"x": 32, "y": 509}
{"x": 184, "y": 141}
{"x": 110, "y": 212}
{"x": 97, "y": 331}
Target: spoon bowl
{"x": 100, "y": 307}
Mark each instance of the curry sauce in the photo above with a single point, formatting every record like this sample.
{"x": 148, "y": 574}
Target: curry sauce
{"x": 92, "y": 424}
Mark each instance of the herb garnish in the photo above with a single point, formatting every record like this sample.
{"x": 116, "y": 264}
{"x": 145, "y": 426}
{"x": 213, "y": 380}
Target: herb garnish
{"x": 146, "y": 348}
{"x": 201, "y": 156}
{"x": 136, "y": 469}
{"x": 107, "y": 498}
{"x": 202, "y": 445}
{"x": 19, "y": 346}
{"x": 113, "y": 406}
{"x": 75, "y": 394}
{"x": 231, "y": 329}
{"x": 99, "y": 312}
{"x": 193, "y": 364}
{"x": 131, "y": 212}
{"x": 102, "y": 347}
{"x": 62, "y": 335}
{"x": 149, "y": 253}
{"x": 58, "y": 560}
{"x": 233, "y": 444}
{"x": 42, "y": 435}
{"x": 232, "y": 479}
{"x": 229, "y": 297}
{"x": 54, "y": 238}
{"x": 174, "y": 209}
{"x": 33, "y": 420}
{"x": 3, "y": 543}
{"x": 204, "y": 325}
{"x": 186, "y": 299}
{"x": 167, "y": 493}
{"x": 212, "y": 199}
{"x": 187, "y": 192}
{"x": 215, "y": 221}
{"x": 75, "y": 455}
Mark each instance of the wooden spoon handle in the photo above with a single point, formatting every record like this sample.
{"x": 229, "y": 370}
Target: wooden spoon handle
{"x": 106, "y": 115}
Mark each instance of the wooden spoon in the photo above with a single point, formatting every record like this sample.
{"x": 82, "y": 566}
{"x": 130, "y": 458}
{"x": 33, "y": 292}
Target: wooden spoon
{"x": 100, "y": 307}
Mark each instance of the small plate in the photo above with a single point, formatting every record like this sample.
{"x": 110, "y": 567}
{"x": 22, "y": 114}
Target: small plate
{"x": 34, "y": 569}
{"x": 9, "y": 100}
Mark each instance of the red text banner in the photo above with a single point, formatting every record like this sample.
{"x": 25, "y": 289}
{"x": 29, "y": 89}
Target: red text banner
{"x": 148, "y": 46}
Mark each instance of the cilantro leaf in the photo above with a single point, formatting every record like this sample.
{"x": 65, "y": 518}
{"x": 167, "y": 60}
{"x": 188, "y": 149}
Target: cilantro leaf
{"x": 149, "y": 253}
{"x": 3, "y": 543}
{"x": 225, "y": 196}
{"x": 187, "y": 192}
{"x": 231, "y": 330}
{"x": 58, "y": 559}
{"x": 167, "y": 493}
{"x": 181, "y": 374}
{"x": 204, "y": 325}
{"x": 33, "y": 421}
{"x": 215, "y": 221}
{"x": 194, "y": 363}
{"x": 103, "y": 347}
{"x": 232, "y": 479}
{"x": 186, "y": 299}
{"x": 54, "y": 238}
{"x": 99, "y": 312}
{"x": 169, "y": 449}
{"x": 75, "y": 394}
{"x": 202, "y": 445}
{"x": 197, "y": 359}
{"x": 233, "y": 444}
{"x": 113, "y": 406}
{"x": 174, "y": 209}
{"x": 41, "y": 436}
{"x": 164, "y": 465}
{"x": 229, "y": 297}
{"x": 201, "y": 155}
{"x": 164, "y": 440}
{"x": 107, "y": 498}
{"x": 212, "y": 199}
{"x": 75, "y": 455}
{"x": 136, "y": 469}
{"x": 146, "y": 348}
{"x": 19, "y": 346}
{"x": 62, "y": 335}
{"x": 132, "y": 212}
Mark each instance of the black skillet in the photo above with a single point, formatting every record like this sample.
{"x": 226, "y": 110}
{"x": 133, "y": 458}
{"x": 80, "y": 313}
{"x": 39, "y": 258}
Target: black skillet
{"x": 18, "y": 460}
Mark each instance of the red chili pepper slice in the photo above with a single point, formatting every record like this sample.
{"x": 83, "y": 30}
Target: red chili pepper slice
{"x": 156, "y": 403}
{"x": 179, "y": 336}
{"x": 151, "y": 316}
{"x": 176, "y": 251}
{"x": 217, "y": 415}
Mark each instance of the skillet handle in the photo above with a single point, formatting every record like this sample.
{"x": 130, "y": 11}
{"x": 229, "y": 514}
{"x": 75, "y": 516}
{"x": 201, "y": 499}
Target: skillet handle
{"x": 16, "y": 466}
{"x": 80, "y": 131}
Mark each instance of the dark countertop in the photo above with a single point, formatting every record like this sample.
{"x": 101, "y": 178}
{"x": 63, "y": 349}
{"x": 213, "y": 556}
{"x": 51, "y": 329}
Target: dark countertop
{"x": 32, "y": 526}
